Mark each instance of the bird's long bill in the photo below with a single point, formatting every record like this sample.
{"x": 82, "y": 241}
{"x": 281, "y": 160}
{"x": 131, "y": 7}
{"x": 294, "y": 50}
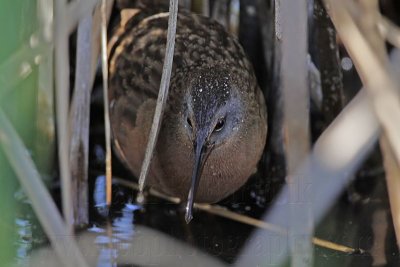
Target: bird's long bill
{"x": 201, "y": 152}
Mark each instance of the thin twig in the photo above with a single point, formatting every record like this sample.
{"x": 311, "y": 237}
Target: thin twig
{"x": 96, "y": 34}
{"x": 57, "y": 231}
{"x": 334, "y": 246}
{"x": 163, "y": 92}
{"x": 104, "y": 68}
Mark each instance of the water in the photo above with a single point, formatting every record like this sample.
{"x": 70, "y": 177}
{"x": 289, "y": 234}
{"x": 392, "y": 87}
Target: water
{"x": 219, "y": 238}
{"x": 156, "y": 234}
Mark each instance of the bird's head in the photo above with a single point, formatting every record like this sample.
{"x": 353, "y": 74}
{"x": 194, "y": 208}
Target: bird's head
{"x": 213, "y": 115}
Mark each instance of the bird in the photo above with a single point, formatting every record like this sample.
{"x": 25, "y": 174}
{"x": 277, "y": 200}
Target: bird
{"x": 214, "y": 125}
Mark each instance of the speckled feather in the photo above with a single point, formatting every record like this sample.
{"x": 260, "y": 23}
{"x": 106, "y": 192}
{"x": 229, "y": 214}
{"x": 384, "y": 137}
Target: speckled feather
{"x": 210, "y": 62}
{"x": 200, "y": 42}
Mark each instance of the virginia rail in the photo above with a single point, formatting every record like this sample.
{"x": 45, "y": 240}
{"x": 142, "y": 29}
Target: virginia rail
{"x": 214, "y": 126}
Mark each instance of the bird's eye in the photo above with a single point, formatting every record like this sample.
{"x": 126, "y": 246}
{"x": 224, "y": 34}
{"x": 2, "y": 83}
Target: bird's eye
{"x": 189, "y": 122}
{"x": 220, "y": 124}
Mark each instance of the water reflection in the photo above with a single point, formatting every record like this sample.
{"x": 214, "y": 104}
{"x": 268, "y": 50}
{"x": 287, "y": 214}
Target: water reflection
{"x": 118, "y": 239}
{"x": 115, "y": 237}
{"x": 121, "y": 243}
{"x": 24, "y": 241}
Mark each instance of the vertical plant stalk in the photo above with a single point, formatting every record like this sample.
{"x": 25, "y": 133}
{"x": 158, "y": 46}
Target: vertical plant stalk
{"x": 163, "y": 92}
{"x": 62, "y": 108}
{"x": 205, "y": 7}
{"x": 393, "y": 184}
{"x": 392, "y": 169}
{"x": 296, "y": 98}
{"x": 80, "y": 117}
{"x": 327, "y": 51}
{"x": 107, "y": 127}
{"x": 269, "y": 20}
{"x": 75, "y": 10}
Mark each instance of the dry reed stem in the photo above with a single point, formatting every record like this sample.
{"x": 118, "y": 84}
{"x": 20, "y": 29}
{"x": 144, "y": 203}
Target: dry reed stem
{"x": 163, "y": 92}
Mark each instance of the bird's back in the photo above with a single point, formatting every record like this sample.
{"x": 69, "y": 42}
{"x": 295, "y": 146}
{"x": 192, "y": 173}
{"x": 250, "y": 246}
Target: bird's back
{"x": 138, "y": 48}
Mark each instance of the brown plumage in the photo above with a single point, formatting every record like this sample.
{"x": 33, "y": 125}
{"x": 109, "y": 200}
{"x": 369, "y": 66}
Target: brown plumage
{"x": 215, "y": 114}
